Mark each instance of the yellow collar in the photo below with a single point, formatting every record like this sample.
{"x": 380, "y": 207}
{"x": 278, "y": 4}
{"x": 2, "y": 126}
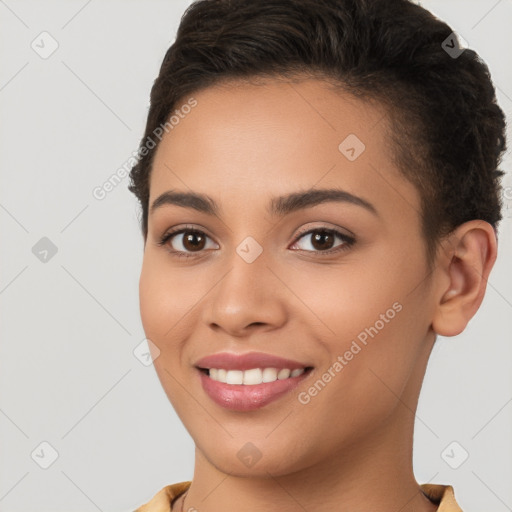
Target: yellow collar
{"x": 442, "y": 495}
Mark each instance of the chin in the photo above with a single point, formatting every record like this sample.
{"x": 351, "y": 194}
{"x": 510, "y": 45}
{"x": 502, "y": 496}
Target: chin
{"x": 256, "y": 459}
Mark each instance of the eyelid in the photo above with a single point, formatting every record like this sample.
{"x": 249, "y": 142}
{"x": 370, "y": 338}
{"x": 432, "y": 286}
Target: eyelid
{"x": 327, "y": 227}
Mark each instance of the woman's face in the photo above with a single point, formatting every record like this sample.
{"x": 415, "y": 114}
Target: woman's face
{"x": 353, "y": 305}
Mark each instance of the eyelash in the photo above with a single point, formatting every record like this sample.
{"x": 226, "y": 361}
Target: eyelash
{"x": 348, "y": 240}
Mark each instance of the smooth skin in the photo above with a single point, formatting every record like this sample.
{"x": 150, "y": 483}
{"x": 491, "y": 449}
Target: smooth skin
{"x": 350, "y": 447}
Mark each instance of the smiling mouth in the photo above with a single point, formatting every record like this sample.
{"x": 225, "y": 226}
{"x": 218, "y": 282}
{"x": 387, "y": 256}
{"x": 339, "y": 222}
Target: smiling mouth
{"x": 253, "y": 376}
{"x": 252, "y": 389}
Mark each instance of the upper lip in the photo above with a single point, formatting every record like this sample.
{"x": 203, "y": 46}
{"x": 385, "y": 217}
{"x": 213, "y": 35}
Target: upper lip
{"x": 233, "y": 361}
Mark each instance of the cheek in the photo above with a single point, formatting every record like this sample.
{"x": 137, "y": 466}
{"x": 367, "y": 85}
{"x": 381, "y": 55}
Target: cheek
{"x": 165, "y": 296}
{"x": 154, "y": 300}
{"x": 371, "y": 319}
{"x": 345, "y": 299}
{"x": 162, "y": 311}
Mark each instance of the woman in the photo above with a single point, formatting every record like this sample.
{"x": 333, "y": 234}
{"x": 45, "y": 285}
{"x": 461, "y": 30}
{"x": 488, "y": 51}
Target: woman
{"x": 320, "y": 198}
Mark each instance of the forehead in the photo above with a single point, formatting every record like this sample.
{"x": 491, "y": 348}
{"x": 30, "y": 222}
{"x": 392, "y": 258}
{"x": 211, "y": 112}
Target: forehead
{"x": 277, "y": 137}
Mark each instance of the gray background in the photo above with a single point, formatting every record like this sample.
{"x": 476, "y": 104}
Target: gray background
{"x": 69, "y": 325}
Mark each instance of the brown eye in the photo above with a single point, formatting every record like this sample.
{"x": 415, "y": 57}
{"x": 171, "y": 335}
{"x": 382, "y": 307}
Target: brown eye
{"x": 192, "y": 241}
{"x": 322, "y": 240}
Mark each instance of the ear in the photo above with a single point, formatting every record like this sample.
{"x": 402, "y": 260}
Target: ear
{"x": 467, "y": 257}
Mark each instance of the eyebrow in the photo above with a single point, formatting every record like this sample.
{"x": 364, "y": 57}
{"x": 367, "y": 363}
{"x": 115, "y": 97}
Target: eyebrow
{"x": 281, "y": 205}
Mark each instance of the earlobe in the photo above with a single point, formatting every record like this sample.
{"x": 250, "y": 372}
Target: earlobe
{"x": 467, "y": 260}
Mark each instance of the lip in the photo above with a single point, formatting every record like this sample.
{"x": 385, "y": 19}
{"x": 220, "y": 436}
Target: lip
{"x": 240, "y": 397}
{"x": 247, "y": 361}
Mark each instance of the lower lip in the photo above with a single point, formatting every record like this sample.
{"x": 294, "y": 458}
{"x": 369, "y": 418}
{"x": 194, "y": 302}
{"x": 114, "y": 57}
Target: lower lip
{"x": 240, "y": 397}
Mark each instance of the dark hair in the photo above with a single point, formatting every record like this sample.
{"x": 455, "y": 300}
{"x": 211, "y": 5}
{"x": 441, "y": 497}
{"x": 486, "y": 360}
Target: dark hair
{"x": 446, "y": 130}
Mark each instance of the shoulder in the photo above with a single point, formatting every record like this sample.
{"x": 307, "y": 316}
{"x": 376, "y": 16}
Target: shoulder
{"x": 442, "y": 495}
{"x": 161, "y": 501}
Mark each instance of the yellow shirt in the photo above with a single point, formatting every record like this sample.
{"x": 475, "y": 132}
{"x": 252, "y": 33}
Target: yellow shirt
{"x": 441, "y": 495}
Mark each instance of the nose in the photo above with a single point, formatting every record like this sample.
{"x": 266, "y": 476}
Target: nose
{"x": 247, "y": 296}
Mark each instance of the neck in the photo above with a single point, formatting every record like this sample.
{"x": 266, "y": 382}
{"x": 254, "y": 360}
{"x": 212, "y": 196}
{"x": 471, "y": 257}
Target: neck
{"x": 371, "y": 471}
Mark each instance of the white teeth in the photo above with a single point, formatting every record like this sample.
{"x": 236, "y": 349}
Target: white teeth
{"x": 283, "y": 374}
{"x": 269, "y": 374}
{"x": 234, "y": 377}
{"x": 253, "y": 376}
